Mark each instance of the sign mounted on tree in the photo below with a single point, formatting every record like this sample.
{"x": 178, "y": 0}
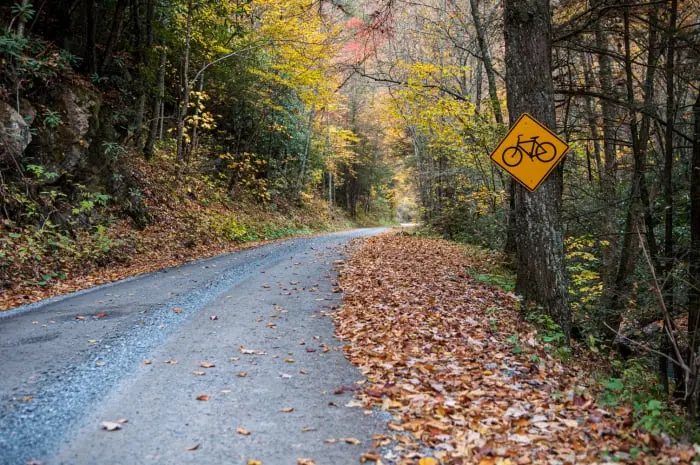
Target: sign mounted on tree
{"x": 529, "y": 152}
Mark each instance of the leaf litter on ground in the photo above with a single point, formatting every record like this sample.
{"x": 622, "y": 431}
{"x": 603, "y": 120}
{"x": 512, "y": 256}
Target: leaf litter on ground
{"x": 416, "y": 324}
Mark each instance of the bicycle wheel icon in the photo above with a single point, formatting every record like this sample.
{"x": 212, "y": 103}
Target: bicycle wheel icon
{"x": 512, "y": 156}
{"x": 546, "y": 152}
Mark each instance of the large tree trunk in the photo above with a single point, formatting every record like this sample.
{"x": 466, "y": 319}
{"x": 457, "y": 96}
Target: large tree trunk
{"x": 540, "y": 255}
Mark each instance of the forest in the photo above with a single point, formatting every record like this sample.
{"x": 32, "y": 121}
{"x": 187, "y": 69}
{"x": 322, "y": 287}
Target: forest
{"x": 127, "y": 123}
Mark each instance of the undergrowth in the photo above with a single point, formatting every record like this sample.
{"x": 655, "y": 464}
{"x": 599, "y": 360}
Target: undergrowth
{"x": 191, "y": 215}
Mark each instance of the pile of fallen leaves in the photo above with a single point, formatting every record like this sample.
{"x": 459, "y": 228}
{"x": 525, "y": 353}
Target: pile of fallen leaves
{"x": 422, "y": 332}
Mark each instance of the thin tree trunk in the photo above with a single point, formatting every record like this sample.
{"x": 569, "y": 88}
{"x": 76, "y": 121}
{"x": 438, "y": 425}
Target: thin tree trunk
{"x": 184, "y": 87}
{"x": 608, "y": 178}
{"x": 307, "y": 146}
{"x": 541, "y": 276}
{"x": 21, "y": 22}
{"x": 114, "y": 34}
{"x": 694, "y": 288}
{"x": 195, "y": 129}
{"x": 90, "y": 55}
{"x": 156, "y": 119}
{"x": 486, "y": 58}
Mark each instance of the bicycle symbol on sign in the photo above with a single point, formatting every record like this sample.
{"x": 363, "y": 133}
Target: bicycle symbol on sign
{"x": 543, "y": 151}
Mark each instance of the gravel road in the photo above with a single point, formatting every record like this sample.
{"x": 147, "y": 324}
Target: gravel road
{"x": 133, "y": 350}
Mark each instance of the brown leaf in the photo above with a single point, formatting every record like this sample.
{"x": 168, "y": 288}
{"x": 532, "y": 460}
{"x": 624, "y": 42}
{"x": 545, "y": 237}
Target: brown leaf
{"x": 207, "y": 364}
{"x": 199, "y": 373}
{"x": 203, "y": 397}
{"x": 353, "y": 441}
{"x": 192, "y": 447}
{"x": 287, "y": 409}
{"x": 304, "y": 461}
{"x": 242, "y": 374}
{"x": 255, "y": 462}
{"x": 177, "y": 310}
{"x": 242, "y": 431}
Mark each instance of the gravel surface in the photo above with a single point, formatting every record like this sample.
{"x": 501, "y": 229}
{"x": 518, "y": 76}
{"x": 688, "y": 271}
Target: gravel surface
{"x": 72, "y": 362}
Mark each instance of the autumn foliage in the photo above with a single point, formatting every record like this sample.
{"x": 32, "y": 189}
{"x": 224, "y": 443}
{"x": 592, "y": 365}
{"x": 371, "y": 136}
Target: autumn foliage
{"x": 437, "y": 349}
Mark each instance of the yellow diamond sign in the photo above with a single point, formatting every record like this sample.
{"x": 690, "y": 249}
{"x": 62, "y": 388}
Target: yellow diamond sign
{"x": 529, "y": 152}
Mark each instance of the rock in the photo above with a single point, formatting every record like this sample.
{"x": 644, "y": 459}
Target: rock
{"x": 78, "y": 109}
{"x": 14, "y": 135}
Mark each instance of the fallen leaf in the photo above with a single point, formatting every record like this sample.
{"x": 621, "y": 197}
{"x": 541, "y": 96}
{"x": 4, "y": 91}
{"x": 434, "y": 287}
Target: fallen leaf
{"x": 193, "y": 447}
{"x": 92, "y": 341}
{"x": 330, "y": 441}
{"x": 213, "y": 317}
{"x": 235, "y": 359}
{"x": 99, "y": 364}
{"x": 255, "y": 462}
{"x": 25, "y": 399}
{"x": 110, "y": 426}
{"x": 251, "y": 351}
{"x": 304, "y": 461}
{"x": 226, "y": 391}
{"x": 289, "y": 360}
{"x": 99, "y": 315}
{"x": 203, "y": 397}
{"x": 428, "y": 461}
{"x": 122, "y": 421}
{"x": 287, "y": 409}
{"x": 207, "y": 364}
{"x": 285, "y": 376}
{"x": 78, "y": 317}
{"x": 354, "y": 441}
{"x": 369, "y": 457}
{"x": 242, "y": 374}
{"x": 171, "y": 362}
{"x": 303, "y": 372}
{"x": 306, "y": 429}
{"x": 177, "y": 310}
{"x": 242, "y": 431}
{"x": 199, "y": 373}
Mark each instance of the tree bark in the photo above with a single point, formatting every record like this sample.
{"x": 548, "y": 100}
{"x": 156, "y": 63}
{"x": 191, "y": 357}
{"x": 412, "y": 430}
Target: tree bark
{"x": 149, "y": 148}
{"x": 608, "y": 178}
{"x": 184, "y": 87}
{"x": 90, "y": 55}
{"x": 488, "y": 64}
{"x": 540, "y": 255}
{"x": 694, "y": 288}
{"x": 114, "y": 34}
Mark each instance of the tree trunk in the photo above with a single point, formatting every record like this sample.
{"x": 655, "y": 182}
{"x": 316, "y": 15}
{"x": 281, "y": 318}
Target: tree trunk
{"x": 694, "y": 288}
{"x": 90, "y": 55}
{"x": 21, "y": 22}
{"x": 608, "y": 178}
{"x": 307, "y": 146}
{"x": 184, "y": 87}
{"x": 195, "y": 129}
{"x": 540, "y": 255}
{"x": 148, "y": 150}
{"x": 486, "y": 58}
{"x": 639, "y": 195}
{"x": 114, "y": 34}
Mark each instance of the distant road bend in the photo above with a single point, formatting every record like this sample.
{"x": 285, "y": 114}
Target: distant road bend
{"x": 244, "y": 333}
